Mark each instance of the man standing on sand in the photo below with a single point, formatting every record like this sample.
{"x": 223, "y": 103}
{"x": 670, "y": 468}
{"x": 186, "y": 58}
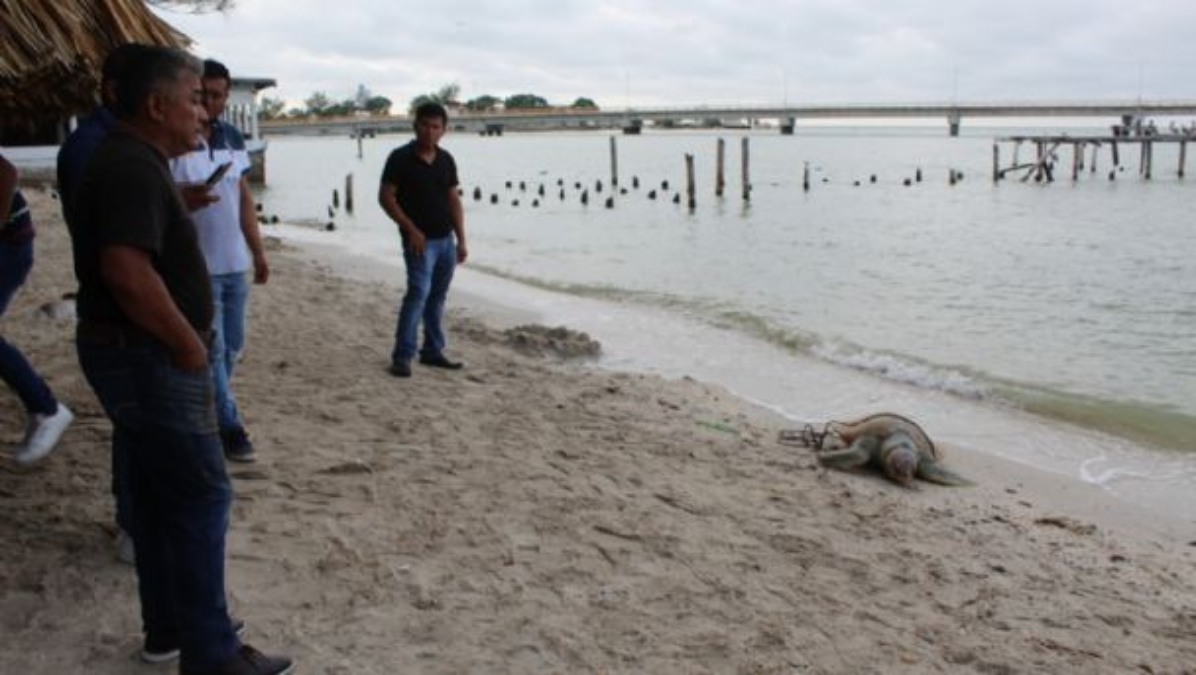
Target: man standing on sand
{"x": 226, "y": 221}
{"x": 419, "y": 193}
{"x": 145, "y": 314}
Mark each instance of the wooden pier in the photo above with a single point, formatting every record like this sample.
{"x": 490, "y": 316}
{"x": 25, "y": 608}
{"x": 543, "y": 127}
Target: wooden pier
{"x": 1045, "y": 162}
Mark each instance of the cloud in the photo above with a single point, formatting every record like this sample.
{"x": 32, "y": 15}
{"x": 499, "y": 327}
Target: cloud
{"x": 711, "y": 51}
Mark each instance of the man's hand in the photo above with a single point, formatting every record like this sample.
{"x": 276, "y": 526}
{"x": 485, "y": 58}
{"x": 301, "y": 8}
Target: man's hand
{"x": 196, "y": 196}
{"x": 261, "y": 269}
{"x": 193, "y": 359}
{"x": 416, "y": 240}
{"x": 462, "y": 252}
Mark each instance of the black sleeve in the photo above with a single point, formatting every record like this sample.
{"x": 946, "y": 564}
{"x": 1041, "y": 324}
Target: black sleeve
{"x": 130, "y": 204}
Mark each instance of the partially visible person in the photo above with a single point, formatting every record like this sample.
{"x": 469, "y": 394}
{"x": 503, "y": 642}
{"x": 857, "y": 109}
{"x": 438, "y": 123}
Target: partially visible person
{"x": 419, "y": 193}
{"x": 145, "y": 314}
{"x": 72, "y": 160}
{"x": 48, "y": 418}
{"x": 83, "y": 141}
{"x": 226, "y": 221}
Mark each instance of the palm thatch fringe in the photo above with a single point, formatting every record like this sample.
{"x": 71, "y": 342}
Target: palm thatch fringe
{"x": 51, "y": 52}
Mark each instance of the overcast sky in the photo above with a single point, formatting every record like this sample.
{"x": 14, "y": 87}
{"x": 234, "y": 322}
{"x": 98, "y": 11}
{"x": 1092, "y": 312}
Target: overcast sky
{"x": 674, "y": 52}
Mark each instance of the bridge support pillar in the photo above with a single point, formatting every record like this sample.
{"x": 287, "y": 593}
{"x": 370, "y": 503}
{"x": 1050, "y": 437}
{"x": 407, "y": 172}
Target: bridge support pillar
{"x": 953, "y": 120}
{"x": 492, "y": 130}
{"x": 788, "y": 126}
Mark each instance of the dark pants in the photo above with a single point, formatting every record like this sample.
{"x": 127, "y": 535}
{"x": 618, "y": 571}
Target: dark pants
{"x": 165, "y": 420}
{"x": 16, "y": 259}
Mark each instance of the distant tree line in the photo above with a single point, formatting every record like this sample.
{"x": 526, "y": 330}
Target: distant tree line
{"x": 450, "y": 96}
{"x": 320, "y": 104}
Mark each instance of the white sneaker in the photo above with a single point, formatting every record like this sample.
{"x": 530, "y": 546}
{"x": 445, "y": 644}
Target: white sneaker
{"x": 43, "y": 434}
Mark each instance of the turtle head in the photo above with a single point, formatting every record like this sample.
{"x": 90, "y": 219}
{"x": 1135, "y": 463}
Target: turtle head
{"x": 900, "y": 464}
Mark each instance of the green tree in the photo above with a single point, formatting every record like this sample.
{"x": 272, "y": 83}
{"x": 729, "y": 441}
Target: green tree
{"x": 318, "y": 103}
{"x": 483, "y": 103}
{"x": 583, "y": 102}
{"x": 519, "y": 101}
{"x": 445, "y": 96}
{"x": 271, "y": 108}
{"x": 378, "y": 105}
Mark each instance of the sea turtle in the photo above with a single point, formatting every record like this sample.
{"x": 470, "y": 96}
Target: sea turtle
{"x": 895, "y": 444}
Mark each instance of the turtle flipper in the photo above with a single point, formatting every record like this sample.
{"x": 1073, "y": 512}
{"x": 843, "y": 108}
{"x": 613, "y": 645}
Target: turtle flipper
{"x": 931, "y": 471}
{"x": 854, "y": 456}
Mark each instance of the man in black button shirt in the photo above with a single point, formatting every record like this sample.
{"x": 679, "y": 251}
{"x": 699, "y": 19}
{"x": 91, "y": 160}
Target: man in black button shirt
{"x": 419, "y": 193}
{"x": 145, "y": 314}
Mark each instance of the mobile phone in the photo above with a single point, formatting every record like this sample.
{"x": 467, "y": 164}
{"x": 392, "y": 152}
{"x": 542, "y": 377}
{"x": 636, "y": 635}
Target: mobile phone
{"x": 218, "y": 174}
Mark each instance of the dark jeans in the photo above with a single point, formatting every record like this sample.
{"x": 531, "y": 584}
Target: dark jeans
{"x": 165, "y": 421}
{"x": 15, "y": 262}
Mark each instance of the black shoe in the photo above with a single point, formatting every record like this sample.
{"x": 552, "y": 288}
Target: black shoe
{"x": 236, "y": 443}
{"x": 248, "y": 661}
{"x": 161, "y": 650}
{"x": 401, "y": 369}
{"x": 440, "y": 361}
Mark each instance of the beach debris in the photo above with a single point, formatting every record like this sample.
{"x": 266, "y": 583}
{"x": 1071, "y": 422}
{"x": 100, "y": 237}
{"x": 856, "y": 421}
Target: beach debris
{"x": 565, "y": 343}
{"x": 893, "y": 443}
{"x": 1065, "y": 523}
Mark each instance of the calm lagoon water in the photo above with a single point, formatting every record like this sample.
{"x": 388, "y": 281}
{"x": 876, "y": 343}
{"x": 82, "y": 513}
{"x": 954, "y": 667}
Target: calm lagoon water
{"x": 1055, "y": 324}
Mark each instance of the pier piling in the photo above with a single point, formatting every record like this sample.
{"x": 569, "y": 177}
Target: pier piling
{"x": 1183, "y": 157}
{"x": 689, "y": 181}
{"x": 349, "y": 193}
{"x": 720, "y": 180}
{"x": 614, "y": 163}
{"x": 996, "y": 163}
{"x": 747, "y": 181}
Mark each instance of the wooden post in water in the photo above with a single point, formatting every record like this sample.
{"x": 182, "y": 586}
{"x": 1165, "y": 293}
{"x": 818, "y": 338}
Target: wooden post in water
{"x": 689, "y": 181}
{"x": 360, "y": 135}
{"x": 805, "y": 178}
{"x": 1095, "y": 150}
{"x": 349, "y": 193}
{"x": 614, "y": 163}
{"x": 747, "y": 181}
{"x": 996, "y": 163}
{"x": 1116, "y": 155}
{"x": 1147, "y": 159}
{"x": 1183, "y": 157}
{"x": 1076, "y": 161}
{"x": 720, "y": 181}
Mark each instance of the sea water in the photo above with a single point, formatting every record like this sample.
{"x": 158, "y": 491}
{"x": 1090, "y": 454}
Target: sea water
{"x": 1052, "y": 323}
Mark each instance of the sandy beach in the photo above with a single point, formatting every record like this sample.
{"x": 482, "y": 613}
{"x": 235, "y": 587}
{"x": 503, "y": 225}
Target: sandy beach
{"x": 537, "y": 514}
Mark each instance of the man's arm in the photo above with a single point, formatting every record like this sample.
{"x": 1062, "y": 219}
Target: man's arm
{"x": 457, "y": 211}
{"x": 141, "y": 295}
{"x": 253, "y": 234}
{"x": 388, "y": 200}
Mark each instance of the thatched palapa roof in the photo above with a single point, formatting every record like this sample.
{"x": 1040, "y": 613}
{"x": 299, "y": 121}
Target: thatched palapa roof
{"x": 52, "y": 51}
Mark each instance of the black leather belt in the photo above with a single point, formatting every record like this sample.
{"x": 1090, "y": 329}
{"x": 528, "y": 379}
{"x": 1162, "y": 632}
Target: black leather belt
{"x": 118, "y": 335}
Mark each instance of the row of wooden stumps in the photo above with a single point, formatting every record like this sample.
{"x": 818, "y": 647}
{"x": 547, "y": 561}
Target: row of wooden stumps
{"x": 720, "y": 181}
{"x": 1042, "y": 166}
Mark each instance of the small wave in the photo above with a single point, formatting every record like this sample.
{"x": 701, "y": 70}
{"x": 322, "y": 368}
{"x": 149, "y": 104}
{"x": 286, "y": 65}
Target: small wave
{"x": 902, "y": 369}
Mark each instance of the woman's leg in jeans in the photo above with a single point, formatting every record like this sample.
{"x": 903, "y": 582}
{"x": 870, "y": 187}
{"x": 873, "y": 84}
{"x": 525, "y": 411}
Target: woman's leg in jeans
{"x": 15, "y": 262}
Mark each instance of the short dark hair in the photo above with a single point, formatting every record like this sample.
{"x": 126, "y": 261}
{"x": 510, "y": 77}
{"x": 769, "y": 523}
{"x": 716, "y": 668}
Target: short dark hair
{"x": 118, "y": 59}
{"x": 215, "y": 70}
{"x": 431, "y": 109}
{"x": 145, "y": 74}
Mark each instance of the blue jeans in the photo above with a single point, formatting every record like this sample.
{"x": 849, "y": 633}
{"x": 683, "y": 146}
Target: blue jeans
{"x": 15, "y": 262}
{"x": 230, "y": 294}
{"x": 428, "y": 278}
{"x": 181, "y": 494}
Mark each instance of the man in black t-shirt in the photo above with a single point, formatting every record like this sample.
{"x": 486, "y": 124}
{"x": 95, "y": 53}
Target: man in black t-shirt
{"x": 145, "y": 314}
{"x": 419, "y": 193}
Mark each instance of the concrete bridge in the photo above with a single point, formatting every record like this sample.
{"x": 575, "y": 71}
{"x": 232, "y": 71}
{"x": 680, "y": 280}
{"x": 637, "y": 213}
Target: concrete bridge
{"x": 631, "y": 120}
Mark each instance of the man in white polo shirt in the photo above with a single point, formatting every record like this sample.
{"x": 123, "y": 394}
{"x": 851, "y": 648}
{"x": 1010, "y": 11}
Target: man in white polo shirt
{"x": 226, "y": 222}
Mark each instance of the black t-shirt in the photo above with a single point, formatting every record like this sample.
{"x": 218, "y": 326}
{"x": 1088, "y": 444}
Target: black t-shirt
{"x": 127, "y": 197}
{"x": 422, "y": 188}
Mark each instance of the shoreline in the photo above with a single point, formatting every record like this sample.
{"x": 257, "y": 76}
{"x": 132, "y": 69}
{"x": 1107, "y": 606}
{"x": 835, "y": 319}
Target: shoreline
{"x": 1169, "y": 510}
{"x": 536, "y": 514}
